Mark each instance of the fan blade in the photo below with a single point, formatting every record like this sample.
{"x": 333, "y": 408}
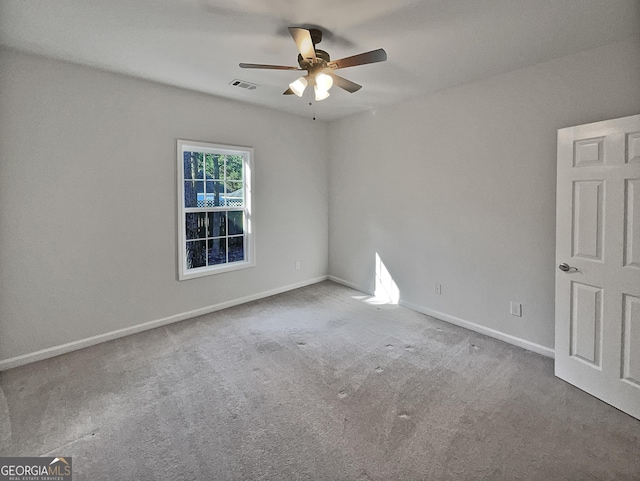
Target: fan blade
{"x": 343, "y": 83}
{"x": 302, "y": 38}
{"x": 361, "y": 59}
{"x": 288, "y": 92}
{"x": 271, "y": 67}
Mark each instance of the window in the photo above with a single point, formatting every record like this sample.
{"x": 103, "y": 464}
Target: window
{"x": 214, "y": 206}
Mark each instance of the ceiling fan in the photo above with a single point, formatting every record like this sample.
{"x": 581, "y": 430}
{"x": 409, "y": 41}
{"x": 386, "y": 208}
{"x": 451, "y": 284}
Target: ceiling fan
{"x": 319, "y": 65}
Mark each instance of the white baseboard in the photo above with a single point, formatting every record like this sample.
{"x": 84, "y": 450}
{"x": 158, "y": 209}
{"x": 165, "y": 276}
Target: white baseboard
{"x": 127, "y": 331}
{"x": 338, "y": 280}
{"x": 472, "y": 326}
{"x": 487, "y": 331}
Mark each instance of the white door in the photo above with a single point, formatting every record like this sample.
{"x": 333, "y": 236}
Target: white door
{"x": 597, "y": 340}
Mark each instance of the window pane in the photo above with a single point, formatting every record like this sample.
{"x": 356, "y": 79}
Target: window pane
{"x": 236, "y": 249}
{"x": 214, "y": 164}
{"x": 193, "y": 165}
{"x": 236, "y": 223}
{"x": 214, "y": 195}
{"x": 217, "y": 251}
{"x": 196, "y": 225}
{"x": 235, "y": 194}
{"x": 194, "y": 193}
{"x": 234, "y": 167}
{"x": 196, "y": 254}
{"x": 217, "y": 224}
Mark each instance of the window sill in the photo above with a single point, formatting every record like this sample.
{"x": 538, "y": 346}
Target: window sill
{"x": 211, "y": 271}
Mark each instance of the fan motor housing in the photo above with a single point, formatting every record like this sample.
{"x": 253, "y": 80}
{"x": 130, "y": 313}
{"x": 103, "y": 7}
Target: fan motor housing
{"x": 322, "y": 58}
{"x": 316, "y": 35}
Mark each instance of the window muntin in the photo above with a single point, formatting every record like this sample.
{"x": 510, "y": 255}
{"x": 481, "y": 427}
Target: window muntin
{"x": 214, "y": 208}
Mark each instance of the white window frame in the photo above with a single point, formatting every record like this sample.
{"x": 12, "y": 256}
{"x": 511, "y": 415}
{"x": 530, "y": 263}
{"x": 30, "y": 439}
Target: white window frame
{"x": 246, "y": 153}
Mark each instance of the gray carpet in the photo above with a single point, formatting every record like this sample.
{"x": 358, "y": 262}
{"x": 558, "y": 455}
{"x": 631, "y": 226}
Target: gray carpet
{"x": 313, "y": 384}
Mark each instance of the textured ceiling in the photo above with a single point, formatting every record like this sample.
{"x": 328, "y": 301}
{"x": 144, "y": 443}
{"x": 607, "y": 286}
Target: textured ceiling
{"x": 431, "y": 44}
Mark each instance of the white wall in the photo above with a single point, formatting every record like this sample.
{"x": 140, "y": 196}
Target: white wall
{"x": 88, "y": 202}
{"x": 456, "y": 187}
{"x": 459, "y": 187}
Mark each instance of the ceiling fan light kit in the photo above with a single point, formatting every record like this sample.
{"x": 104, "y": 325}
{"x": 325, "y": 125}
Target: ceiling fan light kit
{"x": 320, "y": 94}
{"x": 319, "y": 66}
{"x": 298, "y": 86}
{"x": 324, "y": 81}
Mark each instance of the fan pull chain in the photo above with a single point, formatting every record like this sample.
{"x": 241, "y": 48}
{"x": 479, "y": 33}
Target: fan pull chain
{"x": 314, "y": 110}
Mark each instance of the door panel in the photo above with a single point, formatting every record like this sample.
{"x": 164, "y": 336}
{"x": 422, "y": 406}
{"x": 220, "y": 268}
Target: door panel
{"x": 598, "y": 237}
{"x": 632, "y": 224}
{"x": 588, "y": 152}
{"x": 633, "y": 147}
{"x": 586, "y": 322}
{"x": 631, "y": 340}
{"x": 587, "y": 219}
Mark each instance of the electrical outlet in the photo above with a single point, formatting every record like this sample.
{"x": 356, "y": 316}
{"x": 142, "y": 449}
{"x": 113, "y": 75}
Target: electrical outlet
{"x": 297, "y": 265}
{"x": 438, "y": 288}
{"x": 516, "y": 309}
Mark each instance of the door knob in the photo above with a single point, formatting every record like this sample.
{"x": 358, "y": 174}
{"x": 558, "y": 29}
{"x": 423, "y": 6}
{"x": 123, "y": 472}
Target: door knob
{"x": 564, "y": 267}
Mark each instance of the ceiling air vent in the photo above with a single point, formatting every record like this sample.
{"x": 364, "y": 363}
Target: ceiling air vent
{"x": 243, "y": 85}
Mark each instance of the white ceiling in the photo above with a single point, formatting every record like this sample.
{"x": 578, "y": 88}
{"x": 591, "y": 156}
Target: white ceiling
{"x": 431, "y": 44}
